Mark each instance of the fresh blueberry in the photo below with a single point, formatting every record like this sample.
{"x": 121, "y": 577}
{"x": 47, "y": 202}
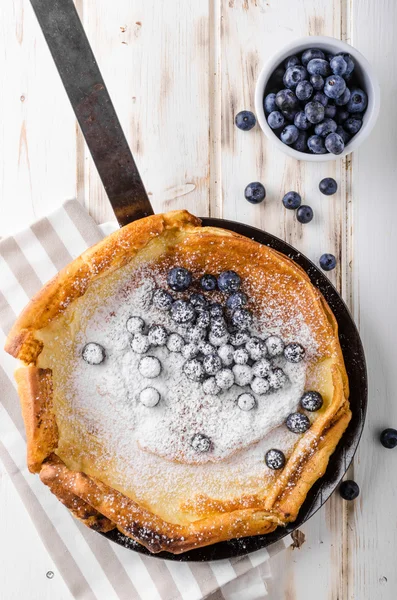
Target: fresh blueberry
{"x": 182, "y": 312}
{"x": 327, "y": 262}
{"x": 349, "y": 63}
{"x": 317, "y": 82}
{"x": 199, "y": 302}
{"x": 334, "y": 86}
{"x": 338, "y": 65}
{"x": 301, "y": 122}
{"x": 297, "y": 422}
{"x": 93, "y": 353}
{"x": 346, "y": 137}
{"x": 349, "y": 490}
{"x": 311, "y": 401}
{"x": 304, "y": 90}
{"x": 216, "y": 311}
{"x": 236, "y": 300}
{"x": 294, "y": 352}
{"x": 353, "y": 125}
{"x": 208, "y": 283}
{"x": 269, "y": 103}
{"x": 311, "y": 53}
{"x": 344, "y": 98}
{"x": 289, "y": 134}
{"x": 286, "y": 101}
{"x": 388, "y": 438}
{"x": 245, "y": 120}
{"x": 162, "y": 299}
{"x": 341, "y": 115}
{"x": 292, "y": 200}
{"x": 254, "y": 193}
{"x": 301, "y": 142}
{"x": 229, "y": 282}
{"x": 293, "y": 75}
{"x": 179, "y": 279}
{"x": 320, "y": 97}
{"x": 314, "y": 112}
{"x": 316, "y": 144}
{"x": 334, "y": 143}
{"x": 291, "y": 61}
{"x": 275, "y": 459}
{"x": 330, "y": 111}
{"x": 242, "y": 318}
{"x": 325, "y": 127}
{"x": 319, "y": 66}
{"x": 358, "y": 101}
{"x": 276, "y": 120}
{"x": 304, "y": 214}
{"x": 328, "y": 186}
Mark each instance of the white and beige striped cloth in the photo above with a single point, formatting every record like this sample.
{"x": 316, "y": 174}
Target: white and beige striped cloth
{"x": 91, "y": 566}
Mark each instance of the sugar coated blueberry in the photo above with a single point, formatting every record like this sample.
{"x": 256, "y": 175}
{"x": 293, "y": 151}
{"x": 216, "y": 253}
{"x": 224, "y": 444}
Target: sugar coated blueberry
{"x": 93, "y": 353}
{"x": 304, "y": 214}
{"x": 334, "y": 143}
{"x": 318, "y": 66}
{"x": 294, "y": 352}
{"x": 135, "y": 324}
{"x": 182, "y": 312}
{"x": 208, "y": 283}
{"x": 149, "y": 367}
{"x": 195, "y": 334}
{"x": 260, "y": 386}
{"x": 292, "y": 200}
{"x": 241, "y": 356}
{"x": 216, "y": 311}
{"x": 157, "y": 335}
{"x": 349, "y": 490}
{"x": 226, "y": 352}
{"x": 311, "y": 401}
{"x": 218, "y": 337}
{"x": 198, "y": 301}
{"x": 242, "y": 318}
{"x": 297, "y": 422}
{"x": 203, "y": 319}
{"x": 201, "y": 443}
{"x": 353, "y": 125}
{"x": 334, "y": 86}
{"x": 179, "y": 279}
{"x": 261, "y": 368}
{"x": 256, "y": 348}
{"x": 246, "y": 402}
{"x": 277, "y": 379}
{"x": 293, "y": 75}
{"x": 236, "y": 300}
{"x": 206, "y": 348}
{"x": 175, "y": 342}
{"x": 304, "y": 90}
{"x": 276, "y": 119}
{"x": 325, "y": 127}
{"x": 210, "y": 387}
{"x": 190, "y": 350}
{"x": 149, "y": 397}
{"x": 317, "y": 82}
{"x": 245, "y": 120}
{"x": 193, "y": 369}
{"x": 289, "y": 134}
{"x": 388, "y": 438}
{"x": 239, "y": 338}
{"x": 140, "y": 343}
{"x": 269, "y": 103}
{"x": 274, "y": 346}
{"x": 314, "y": 112}
{"x": 311, "y": 53}
{"x": 212, "y": 364}
{"x": 275, "y": 459}
{"x": 224, "y": 379}
{"x": 301, "y": 121}
{"x": 338, "y": 65}
{"x": 255, "y": 193}
{"x": 328, "y": 186}
{"x": 162, "y": 299}
{"x": 242, "y": 375}
{"x": 327, "y": 262}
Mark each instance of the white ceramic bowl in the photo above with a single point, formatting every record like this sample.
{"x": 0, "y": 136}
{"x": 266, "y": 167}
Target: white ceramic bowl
{"x": 365, "y": 76}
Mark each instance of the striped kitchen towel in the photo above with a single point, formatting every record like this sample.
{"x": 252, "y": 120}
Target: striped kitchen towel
{"x": 91, "y": 566}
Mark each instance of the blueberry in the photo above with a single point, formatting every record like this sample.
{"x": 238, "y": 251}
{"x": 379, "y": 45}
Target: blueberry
{"x": 210, "y": 387}
{"x": 261, "y": 368}
{"x": 304, "y": 90}
{"x": 208, "y": 283}
{"x": 140, "y": 343}
{"x": 287, "y": 101}
{"x": 275, "y": 459}
{"x": 293, "y": 75}
{"x": 349, "y": 490}
{"x": 311, "y": 53}
{"x": 242, "y": 318}
{"x": 325, "y": 127}
{"x": 195, "y": 334}
{"x": 162, "y": 300}
{"x": 238, "y": 338}
{"x": 236, "y": 301}
{"x": 289, "y": 134}
{"x": 157, "y": 335}
{"x": 327, "y": 262}
{"x": 277, "y": 379}
{"x": 212, "y": 364}
{"x": 330, "y": 111}
{"x": 245, "y": 120}
{"x": 388, "y": 438}
{"x": 260, "y": 386}
{"x": 341, "y": 115}
{"x": 346, "y": 137}
{"x": 349, "y": 63}
{"x": 241, "y": 356}
{"x": 316, "y": 144}
{"x": 242, "y": 375}
{"x": 201, "y": 443}
{"x": 334, "y": 143}
{"x": 246, "y": 401}
{"x": 317, "y": 82}
{"x": 216, "y": 311}
{"x": 294, "y": 352}
{"x": 229, "y": 282}
{"x": 334, "y": 86}
{"x": 301, "y": 121}
{"x": 311, "y": 401}
{"x": 254, "y": 192}
{"x": 182, "y": 312}
{"x": 256, "y": 348}
{"x": 175, "y": 342}
{"x": 304, "y": 214}
{"x": 291, "y": 61}
{"x": 199, "y": 302}
{"x": 224, "y": 379}
{"x": 358, "y": 101}
{"x": 149, "y": 397}
{"x": 314, "y": 112}
{"x": 274, "y": 345}
{"x": 338, "y": 65}
{"x": 353, "y": 125}
{"x": 328, "y": 186}
{"x": 320, "y": 97}
{"x": 277, "y": 77}
{"x": 275, "y": 120}
{"x": 179, "y": 279}
{"x": 344, "y": 98}
{"x": 193, "y": 369}
{"x": 269, "y": 103}
{"x": 93, "y": 353}
{"x": 319, "y": 66}
{"x": 301, "y": 142}
{"x": 136, "y": 324}
{"x": 149, "y": 367}
{"x": 226, "y": 352}
{"x": 292, "y": 200}
{"x": 297, "y": 422}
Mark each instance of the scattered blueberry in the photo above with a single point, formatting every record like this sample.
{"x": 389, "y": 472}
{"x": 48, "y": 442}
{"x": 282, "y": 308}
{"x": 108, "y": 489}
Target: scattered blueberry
{"x": 162, "y": 300}
{"x": 255, "y": 192}
{"x": 358, "y": 101}
{"x": 236, "y": 300}
{"x": 352, "y": 125}
{"x": 276, "y": 120}
{"x": 304, "y": 90}
{"x": 388, "y": 438}
{"x": 330, "y": 111}
{"x": 179, "y": 279}
{"x": 182, "y": 312}
{"x": 245, "y": 120}
{"x": 93, "y": 353}
{"x": 319, "y": 66}
{"x": 246, "y": 402}
{"x": 320, "y": 97}
{"x": 349, "y": 490}
{"x": 316, "y": 144}
{"x": 229, "y": 282}
{"x": 338, "y": 65}
{"x": 314, "y": 112}
{"x": 311, "y": 401}
{"x": 140, "y": 343}
{"x": 294, "y": 352}
{"x": 289, "y": 134}
{"x": 325, "y": 127}
{"x": 344, "y": 98}
{"x": 291, "y": 61}
{"x": 317, "y": 82}
{"x": 327, "y": 262}
{"x": 304, "y": 214}
{"x": 334, "y": 143}
{"x": 311, "y": 53}
{"x": 269, "y": 103}
{"x": 199, "y": 302}
{"x": 328, "y": 186}
{"x": 136, "y": 324}
{"x": 293, "y": 75}
{"x": 275, "y": 459}
{"x": 241, "y": 318}
{"x": 301, "y": 142}
{"x": 208, "y": 283}
{"x": 149, "y": 397}
{"x": 301, "y": 121}
{"x": 292, "y": 200}
{"x": 297, "y": 422}
{"x": 201, "y": 443}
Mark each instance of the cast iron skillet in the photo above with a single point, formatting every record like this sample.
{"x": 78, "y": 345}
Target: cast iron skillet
{"x": 112, "y": 156}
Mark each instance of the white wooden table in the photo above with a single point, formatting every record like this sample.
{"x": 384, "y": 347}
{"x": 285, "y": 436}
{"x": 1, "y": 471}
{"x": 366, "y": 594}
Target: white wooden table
{"x": 178, "y": 72}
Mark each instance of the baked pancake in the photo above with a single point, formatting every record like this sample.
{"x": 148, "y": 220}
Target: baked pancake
{"x": 184, "y": 384}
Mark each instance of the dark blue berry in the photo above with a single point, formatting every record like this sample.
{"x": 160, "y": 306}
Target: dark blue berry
{"x": 304, "y": 90}
{"x": 294, "y": 352}
{"x": 254, "y": 193}
{"x": 245, "y": 120}
{"x": 338, "y": 65}
{"x": 182, "y": 312}
{"x": 229, "y": 282}
{"x": 216, "y": 310}
{"x": 269, "y": 103}
{"x": 353, "y": 125}
{"x": 334, "y": 143}
{"x": 287, "y": 101}
{"x": 328, "y": 186}
{"x": 311, "y": 53}
{"x": 349, "y": 490}
{"x": 320, "y": 97}
{"x": 346, "y": 137}
{"x": 275, "y": 459}
{"x": 325, "y": 127}
{"x": 301, "y": 122}
{"x": 162, "y": 300}
{"x": 277, "y": 76}
{"x": 344, "y": 98}
{"x": 327, "y": 262}
{"x": 198, "y": 301}
{"x": 291, "y": 61}
{"x": 293, "y": 75}
{"x": 316, "y": 144}
{"x": 297, "y": 422}
{"x": 236, "y": 300}
{"x": 317, "y": 82}
{"x": 203, "y": 319}
{"x": 388, "y": 438}
{"x": 319, "y": 66}
{"x": 276, "y": 120}
{"x": 341, "y": 115}
{"x": 289, "y": 134}
{"x": 292, "y": 200}
{"x": 334, "y": 86}
{"x": 349, "y": 63}
{"x": 208, "y": 283}
{"x": 358, "y": 101}
{"x": 304, "y": 214}
{"x": 314, "y": 112}
{"x": 330, "y": 111}
{"x": 179, "y": 279}
{"x": 241, "y": 318}
{"x": 311, "y": 401}
{"x": 301, "y": 142}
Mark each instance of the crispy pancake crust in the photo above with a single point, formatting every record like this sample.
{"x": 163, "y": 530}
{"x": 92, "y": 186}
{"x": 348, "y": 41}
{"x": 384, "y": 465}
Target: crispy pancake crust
{"x": 97, "y": 504}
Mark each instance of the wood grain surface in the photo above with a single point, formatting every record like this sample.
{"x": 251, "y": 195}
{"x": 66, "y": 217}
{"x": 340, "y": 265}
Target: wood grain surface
{"x": 178, "y": 72}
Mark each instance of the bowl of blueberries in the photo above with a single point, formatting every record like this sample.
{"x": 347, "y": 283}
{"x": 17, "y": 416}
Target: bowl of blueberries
{"x": 317, "y": 98}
